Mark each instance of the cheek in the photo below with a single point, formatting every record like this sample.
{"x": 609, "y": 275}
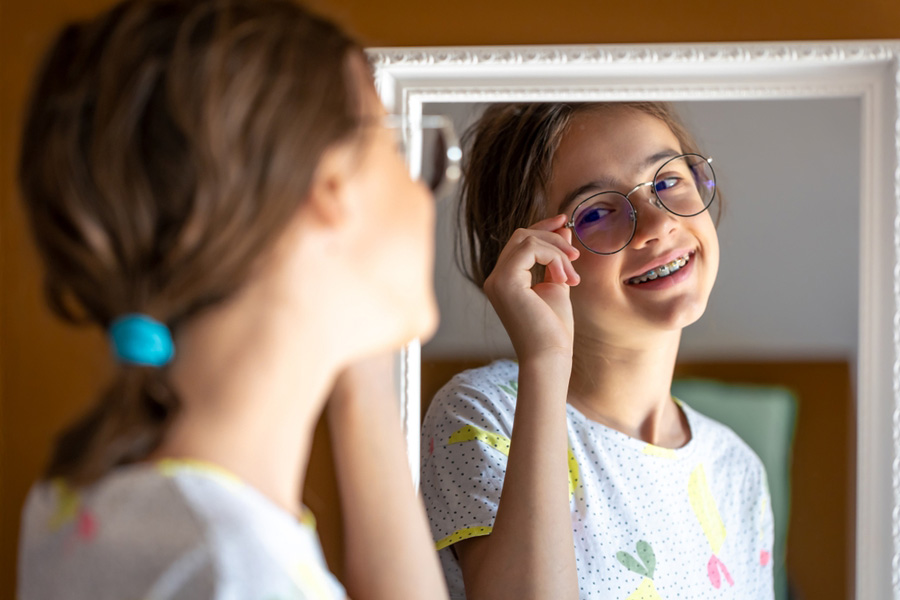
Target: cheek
{"x": 411, "y": 223}
{"x": 405, "y": 233}
{"x": 711, "y": 251}
{"x": 599, "y": 269}
{"x": 599, "y": 281}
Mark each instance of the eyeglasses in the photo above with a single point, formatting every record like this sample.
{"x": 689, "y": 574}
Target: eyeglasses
{"x": 431, "y": 149}
{"x": 605, "y": 223}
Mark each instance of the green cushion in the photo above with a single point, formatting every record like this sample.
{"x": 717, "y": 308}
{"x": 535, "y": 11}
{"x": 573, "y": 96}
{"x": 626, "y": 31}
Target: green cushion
{"x": 764, "y": 417}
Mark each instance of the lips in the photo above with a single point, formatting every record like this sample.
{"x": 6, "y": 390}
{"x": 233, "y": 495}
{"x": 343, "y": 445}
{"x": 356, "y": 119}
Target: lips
{"x": 663, "y": 270}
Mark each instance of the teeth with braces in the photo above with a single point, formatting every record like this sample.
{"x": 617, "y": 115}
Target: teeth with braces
{"x": 662, "y": 271}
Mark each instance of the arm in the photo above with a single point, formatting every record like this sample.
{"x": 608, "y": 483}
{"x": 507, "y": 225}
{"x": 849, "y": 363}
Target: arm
{"x": 530, "y": 552}
{"x": 387, "y": 545}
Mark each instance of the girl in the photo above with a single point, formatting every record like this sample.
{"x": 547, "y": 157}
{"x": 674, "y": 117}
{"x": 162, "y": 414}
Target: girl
{"x": 212, "y": 183}
{"x": 610, "y": 487}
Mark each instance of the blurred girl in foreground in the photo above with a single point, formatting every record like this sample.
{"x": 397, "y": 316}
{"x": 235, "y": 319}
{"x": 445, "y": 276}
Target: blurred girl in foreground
{"x": 213, "y": 183}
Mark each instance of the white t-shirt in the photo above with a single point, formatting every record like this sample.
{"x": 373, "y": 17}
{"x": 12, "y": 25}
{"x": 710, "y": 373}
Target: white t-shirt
{"x": 166, "y": 530}
{"x": 647, "y": 522}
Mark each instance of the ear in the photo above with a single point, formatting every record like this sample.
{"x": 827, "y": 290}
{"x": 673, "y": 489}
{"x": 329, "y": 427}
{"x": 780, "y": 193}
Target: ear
{"x": 328, "y": 198}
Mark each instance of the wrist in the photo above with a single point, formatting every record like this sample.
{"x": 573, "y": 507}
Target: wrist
{"x": 546, "y": 357}
{"x": 548, "y": 372}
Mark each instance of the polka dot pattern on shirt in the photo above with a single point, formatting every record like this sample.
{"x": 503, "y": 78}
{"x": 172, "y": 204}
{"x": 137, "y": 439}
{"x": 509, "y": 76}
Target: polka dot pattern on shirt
{"x": 647, "y": 522}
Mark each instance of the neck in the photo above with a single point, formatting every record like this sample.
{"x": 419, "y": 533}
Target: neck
{"x": 628, "y": 387}
{"x": 252, "y": 390}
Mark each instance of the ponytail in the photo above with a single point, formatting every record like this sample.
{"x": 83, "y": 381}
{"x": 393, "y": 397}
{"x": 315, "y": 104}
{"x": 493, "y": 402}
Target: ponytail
{"x": 128, "y": 423}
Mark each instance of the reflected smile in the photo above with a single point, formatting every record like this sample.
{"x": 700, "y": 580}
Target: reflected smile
{"x": 662, "y": 270}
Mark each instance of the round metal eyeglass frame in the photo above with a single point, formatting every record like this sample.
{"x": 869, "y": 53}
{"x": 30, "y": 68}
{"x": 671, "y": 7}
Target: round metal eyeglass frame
{"x": 652, "y": 198}
{"x": 411, "y": 139}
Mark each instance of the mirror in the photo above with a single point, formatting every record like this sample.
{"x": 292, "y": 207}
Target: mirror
{"x": 809, "y": 267}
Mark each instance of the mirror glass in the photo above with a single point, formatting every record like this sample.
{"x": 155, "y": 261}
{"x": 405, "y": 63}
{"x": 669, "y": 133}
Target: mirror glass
{"x": 805, "y": 139}
{"x": 786, "y": 297}
{"x": 788, "y": 171}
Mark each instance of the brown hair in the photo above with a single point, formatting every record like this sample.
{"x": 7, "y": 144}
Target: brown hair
{"x": 167, "y": 144}
{"x": 508, "y": 159}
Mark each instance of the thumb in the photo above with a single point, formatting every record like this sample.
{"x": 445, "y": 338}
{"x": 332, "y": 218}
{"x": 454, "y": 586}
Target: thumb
{"x": 566, "y": 233}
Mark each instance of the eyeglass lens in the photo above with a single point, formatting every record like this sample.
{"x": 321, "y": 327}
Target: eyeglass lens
{"x": 605, "y": 223}
{"x": 685, "y": 186}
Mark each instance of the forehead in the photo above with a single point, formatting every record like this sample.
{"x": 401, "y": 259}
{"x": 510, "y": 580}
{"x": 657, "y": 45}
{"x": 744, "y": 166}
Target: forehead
{"x": 608, "y": 143}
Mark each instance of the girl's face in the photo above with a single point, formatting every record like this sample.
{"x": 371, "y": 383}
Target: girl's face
{"x": 616, "y": 148}
{"x": 394, "y": 236}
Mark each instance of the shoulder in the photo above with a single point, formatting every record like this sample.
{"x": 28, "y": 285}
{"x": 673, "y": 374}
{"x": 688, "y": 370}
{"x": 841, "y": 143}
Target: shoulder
{"x": 161, "y": 530}
{"x": 723, "y": 448}
{"x": 499, "y": 378}
{"x": 129, "y": 500}
{"x": 257, "y": 548}
{"x": 485, "y": 396}
{"x": 117, "y": 535}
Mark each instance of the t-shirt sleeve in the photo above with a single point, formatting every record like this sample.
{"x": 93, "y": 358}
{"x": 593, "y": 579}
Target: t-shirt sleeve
{"x": 755, "y": 539}
{"x": 465, "y": 445}
{"x": 767, "y": 559}
{"x": 192, "y": 575}
{"x": 229, "y": 570}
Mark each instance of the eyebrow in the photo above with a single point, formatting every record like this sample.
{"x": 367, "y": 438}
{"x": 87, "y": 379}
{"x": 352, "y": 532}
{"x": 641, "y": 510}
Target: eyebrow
{"x": 607, "y": 183}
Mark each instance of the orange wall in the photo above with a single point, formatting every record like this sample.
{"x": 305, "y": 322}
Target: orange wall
{"x": 418, "y": 22}
{"x": 48, "y": 372}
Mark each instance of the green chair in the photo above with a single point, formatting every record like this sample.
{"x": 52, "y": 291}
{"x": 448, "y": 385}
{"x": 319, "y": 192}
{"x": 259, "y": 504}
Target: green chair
{"x": 764, "y": 417}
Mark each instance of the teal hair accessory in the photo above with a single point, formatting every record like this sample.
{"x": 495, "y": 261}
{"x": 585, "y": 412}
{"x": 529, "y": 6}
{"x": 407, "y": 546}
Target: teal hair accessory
{"x": 139, "y": 340}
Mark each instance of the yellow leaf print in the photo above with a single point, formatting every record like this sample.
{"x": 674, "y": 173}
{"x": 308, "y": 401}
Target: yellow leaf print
{"x": 646, "y": 591}
{"x": 705, "y": 509}
{"x": 68, "y": 501}
{"x": 462, "y": 534}
{"x": 471, "y": 433}
{"x": 574, "y": 473}
{"x": 501, "y": 443}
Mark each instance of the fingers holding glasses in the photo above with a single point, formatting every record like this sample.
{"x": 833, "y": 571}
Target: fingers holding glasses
{"x": 547, "y": 243}
{"x": 537, "y": 316}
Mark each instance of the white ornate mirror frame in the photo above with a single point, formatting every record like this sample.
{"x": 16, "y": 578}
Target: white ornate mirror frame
{"x": 867, "y": 71}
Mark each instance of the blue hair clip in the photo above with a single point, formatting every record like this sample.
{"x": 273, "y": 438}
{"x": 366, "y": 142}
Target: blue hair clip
{"x": 139, "y": 340}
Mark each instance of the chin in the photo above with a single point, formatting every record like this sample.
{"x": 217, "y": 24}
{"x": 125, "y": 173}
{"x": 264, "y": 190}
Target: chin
{"x": 428, "y": 321}
{"x": 407, "y": 321}
{"x": 683, "y": 316}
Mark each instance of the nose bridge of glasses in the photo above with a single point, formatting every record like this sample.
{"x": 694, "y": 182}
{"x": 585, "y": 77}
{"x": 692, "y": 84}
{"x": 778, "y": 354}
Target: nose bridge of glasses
{"x": 652, "y": 198}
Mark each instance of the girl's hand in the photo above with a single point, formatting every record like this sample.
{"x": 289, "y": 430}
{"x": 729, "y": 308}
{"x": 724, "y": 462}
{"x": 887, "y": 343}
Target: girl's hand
{"x": 538, "y": 318}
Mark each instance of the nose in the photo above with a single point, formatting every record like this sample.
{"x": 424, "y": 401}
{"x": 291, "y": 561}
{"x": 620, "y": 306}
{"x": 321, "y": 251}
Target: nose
{"x": 654, "y": 222}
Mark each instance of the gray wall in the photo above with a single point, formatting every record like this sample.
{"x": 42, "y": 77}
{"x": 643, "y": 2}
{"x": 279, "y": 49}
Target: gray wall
{"x": 787, "y": 285}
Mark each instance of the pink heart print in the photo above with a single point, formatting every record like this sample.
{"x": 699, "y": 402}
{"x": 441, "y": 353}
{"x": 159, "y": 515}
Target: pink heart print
{"x": 713, "y": 567}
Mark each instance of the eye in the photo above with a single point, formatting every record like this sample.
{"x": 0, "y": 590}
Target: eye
{"x": 594, "y": 214}
{"x": 666, "y": 183}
